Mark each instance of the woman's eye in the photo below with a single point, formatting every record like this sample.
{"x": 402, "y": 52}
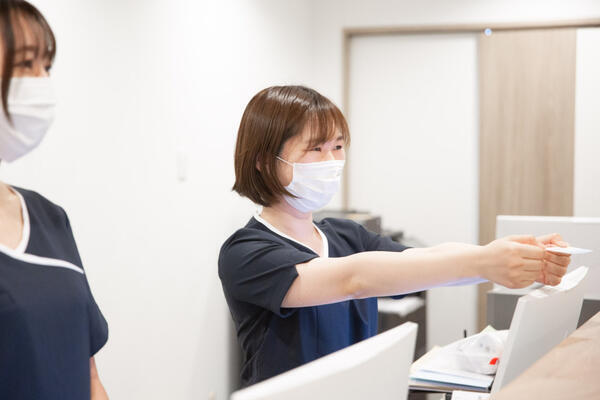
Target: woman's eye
{"x": 316, "y": 149}
{"x": 25, "y": 64}
{"x": 339, "y": 147}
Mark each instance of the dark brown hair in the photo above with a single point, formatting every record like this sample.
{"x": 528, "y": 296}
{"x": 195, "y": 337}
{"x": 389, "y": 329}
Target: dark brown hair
{"x": 13, "y": 13}
{"x": 273, "y": 116}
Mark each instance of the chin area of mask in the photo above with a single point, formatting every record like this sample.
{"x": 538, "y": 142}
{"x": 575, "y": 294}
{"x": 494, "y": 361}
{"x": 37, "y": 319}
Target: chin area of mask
{"x": 31, "y": 105}
{"x": 314, "y": 184}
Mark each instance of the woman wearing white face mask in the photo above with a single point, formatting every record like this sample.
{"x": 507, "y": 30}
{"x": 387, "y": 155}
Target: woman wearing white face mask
{"x": 298, "y": 290}
{"x": 50, "y": 325}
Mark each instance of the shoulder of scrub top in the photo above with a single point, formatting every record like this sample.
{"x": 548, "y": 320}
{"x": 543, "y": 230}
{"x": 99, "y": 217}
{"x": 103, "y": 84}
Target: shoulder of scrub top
{"x": 359, "y": 237}
{"x": 253, "y": 231}
{"x": 42, "y": 209}
{"x": 349, "y": 230}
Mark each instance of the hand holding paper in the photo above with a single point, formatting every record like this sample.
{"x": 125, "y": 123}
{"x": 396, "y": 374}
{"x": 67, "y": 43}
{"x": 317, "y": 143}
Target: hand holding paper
{"x": 555, "y": 265}
{"x": 558, "y": 258}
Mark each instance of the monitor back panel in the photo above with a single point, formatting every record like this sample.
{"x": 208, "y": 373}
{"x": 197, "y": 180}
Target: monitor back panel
{"x": 376, "y": 368}
{"x": 542, "y": 320}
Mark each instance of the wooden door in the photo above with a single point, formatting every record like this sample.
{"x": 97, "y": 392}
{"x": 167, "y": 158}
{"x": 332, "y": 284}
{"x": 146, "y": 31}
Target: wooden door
{"x": 527, "y": 113}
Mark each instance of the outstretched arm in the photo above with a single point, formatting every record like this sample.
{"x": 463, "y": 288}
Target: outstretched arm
{"x": 514, "y": 262}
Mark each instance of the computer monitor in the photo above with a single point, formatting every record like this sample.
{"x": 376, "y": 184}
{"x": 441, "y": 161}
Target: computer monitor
{"x": 542, "y": 319}
{"x": 375, "y": 368}
{"x": 579, "y": 232}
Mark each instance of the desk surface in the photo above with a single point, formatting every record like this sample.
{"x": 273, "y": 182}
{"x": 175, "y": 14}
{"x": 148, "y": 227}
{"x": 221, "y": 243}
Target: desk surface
{"x": 569, "y": 371}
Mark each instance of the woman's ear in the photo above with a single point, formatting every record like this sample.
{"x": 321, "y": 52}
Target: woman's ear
{"x": 258, "y": 165}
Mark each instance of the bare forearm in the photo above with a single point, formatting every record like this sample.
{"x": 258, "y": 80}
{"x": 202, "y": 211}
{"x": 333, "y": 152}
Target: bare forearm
{"x": 456, "y": 247}
{"x": 386, "y": 273}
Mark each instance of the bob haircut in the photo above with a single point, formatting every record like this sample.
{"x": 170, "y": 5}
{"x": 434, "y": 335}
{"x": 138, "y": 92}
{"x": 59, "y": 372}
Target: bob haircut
{"x": 17, "y": 16}
{"x": 273, "y": 116}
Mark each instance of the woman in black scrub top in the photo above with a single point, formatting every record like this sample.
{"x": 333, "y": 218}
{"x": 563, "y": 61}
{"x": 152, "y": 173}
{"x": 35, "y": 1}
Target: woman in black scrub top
{"x": 298, "y": 290}
{"x": 50, "y": 325}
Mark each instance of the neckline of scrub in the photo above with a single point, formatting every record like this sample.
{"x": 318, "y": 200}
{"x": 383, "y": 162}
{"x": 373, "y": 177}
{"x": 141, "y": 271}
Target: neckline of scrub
{"x": 278, "y": 232}
{"x": 39, "y": 261}
{"x": 19, "y": 253}
{"x": 22, "y": 246}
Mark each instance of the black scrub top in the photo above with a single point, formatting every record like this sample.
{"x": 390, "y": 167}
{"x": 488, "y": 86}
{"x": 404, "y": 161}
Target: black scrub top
{"x": 257, "y": 266}
{"x": 50, "y": 324}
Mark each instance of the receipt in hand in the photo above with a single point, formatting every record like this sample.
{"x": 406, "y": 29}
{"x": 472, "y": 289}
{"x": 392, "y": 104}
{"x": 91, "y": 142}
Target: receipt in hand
{"x": 568, "y": 250}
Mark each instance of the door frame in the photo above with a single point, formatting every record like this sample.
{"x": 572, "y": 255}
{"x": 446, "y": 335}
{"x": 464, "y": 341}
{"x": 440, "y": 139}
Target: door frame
{"x": 350, "y": 33}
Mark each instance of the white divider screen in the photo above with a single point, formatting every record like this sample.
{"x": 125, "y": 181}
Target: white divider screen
{"x": 413, "y": 109}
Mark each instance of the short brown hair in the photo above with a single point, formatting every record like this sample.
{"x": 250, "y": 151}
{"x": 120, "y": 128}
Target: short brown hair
{"x": 10, "y": 29}
{"x": 273, "y": 116}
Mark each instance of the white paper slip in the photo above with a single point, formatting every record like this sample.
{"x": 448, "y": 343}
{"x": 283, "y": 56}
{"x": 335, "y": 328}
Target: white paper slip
{"x": 568, "y": 250}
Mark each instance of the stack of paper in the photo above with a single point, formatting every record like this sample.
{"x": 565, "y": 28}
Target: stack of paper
{"x": 437, "y": 371}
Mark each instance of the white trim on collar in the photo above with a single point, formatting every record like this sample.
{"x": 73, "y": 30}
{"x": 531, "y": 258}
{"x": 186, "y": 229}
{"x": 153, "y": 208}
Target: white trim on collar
{"x": 18, "y": 253}
{"x": 26, "y": 224}
{"x": 37, "y": 260}
{"x": 278, "y": 232}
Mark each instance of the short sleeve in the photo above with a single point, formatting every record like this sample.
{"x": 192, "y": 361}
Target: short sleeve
{"x": 259, "y": 270}
{"x": 98, "y": 327}
{"x": 97, "y": 323}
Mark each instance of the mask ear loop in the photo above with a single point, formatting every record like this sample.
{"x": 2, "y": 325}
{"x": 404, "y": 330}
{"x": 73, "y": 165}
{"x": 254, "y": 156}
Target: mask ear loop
{"x": 287, "y": 162}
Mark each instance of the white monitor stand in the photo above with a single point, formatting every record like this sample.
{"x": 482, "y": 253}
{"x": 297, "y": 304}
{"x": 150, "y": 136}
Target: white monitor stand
{"x": 376, "y": 368}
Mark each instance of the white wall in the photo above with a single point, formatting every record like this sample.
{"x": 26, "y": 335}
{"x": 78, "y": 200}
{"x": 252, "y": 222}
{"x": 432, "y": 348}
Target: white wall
{"x": 414, "y": 156}
{"x": 332, "y": 16}
{"x": 587, "y": 124}
{"x": 137, "y": 80}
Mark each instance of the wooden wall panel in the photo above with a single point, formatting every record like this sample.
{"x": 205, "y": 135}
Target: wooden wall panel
{"x": 527, "y": 113}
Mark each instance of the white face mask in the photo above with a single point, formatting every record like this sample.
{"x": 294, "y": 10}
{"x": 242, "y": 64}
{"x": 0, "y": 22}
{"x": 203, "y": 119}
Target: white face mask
{"x": 31, "y": 103}
{"x": 314, "y": 184}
